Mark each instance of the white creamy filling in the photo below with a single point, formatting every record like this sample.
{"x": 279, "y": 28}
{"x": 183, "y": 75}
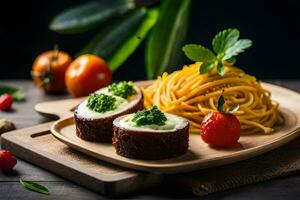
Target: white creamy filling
{"x": 121, "y": 103}
{"x": 173, "y": 123}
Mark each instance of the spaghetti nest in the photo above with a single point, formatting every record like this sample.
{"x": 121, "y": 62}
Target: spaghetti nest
{"x": 192, "y": 95}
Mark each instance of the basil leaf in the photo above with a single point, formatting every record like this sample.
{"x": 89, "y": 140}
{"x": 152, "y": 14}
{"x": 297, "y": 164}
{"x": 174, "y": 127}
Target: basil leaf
{"x": 225, "y": 39}
{"x": 130, "y": 45}
{"x": 163, "y": 46}
{"x": 108, "y": 40}
{"x": 221, "y": 102}
{"x": 34, "y": 187}
{"x": 198, "y": 53}
{"x": 17, "y": 94}
{"x": 239, "y": 47}
{"x": 220, "y": 69}
{"x": 206, "y": 67}
{"x": 85, "y": 17}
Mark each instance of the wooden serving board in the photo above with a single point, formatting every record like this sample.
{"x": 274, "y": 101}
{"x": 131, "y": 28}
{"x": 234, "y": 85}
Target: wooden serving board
{"x": 37, "y": 145}
{"x": 199, "y": 155}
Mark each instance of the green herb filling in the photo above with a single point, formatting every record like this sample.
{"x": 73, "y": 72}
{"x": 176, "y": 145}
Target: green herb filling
{"x": 101, "y": 102}
{"x": 123, "y": 89}
{"x": 148, "y": 117}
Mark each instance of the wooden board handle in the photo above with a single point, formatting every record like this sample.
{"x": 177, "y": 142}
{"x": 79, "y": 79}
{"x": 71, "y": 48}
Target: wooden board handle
{"x": 59, "y": 108}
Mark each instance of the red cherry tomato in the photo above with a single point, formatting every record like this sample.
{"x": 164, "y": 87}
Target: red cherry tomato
{"x": 6, "y": 101}
{"x": 7, "y": 161}
{"x": 220, "y": 129}
{"x": 87, "y": 74}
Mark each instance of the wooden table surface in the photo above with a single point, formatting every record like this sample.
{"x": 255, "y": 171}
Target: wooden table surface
{"x": 23, "y": 115}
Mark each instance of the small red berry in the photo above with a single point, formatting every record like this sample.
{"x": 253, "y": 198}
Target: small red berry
{"x": 6, "y": 101}
{"x": 220, "y": 129}
{"x": 7, "y": 161}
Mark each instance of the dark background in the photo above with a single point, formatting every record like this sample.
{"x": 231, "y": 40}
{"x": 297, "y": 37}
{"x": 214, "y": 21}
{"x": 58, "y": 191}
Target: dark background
{"x": 273, "y": 26}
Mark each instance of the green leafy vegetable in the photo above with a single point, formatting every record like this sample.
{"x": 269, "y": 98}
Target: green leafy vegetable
{"x": 123, "y": 89}
{"x": 34, "y": 187}
{"x": 16, "y": 93}
{"x": 225, "y": 44}
{"x": 167, "y": 37}
{"x": 134, "y": 40}
{"x": 101, "y": 102}
{"x": 150, "y": 116}
{"x": 109, "y": 39}
{"x": 90, "y": 15}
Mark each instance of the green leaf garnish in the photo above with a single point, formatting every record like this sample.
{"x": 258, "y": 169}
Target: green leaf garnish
{"x": 220, "y": 69}
{"x": 34, "y": 187}
{"x": 123, "y": 89}
{"x": 225, "y": 39}
{"x": 101, "y": 102}
{"x": 206, "y": 67}
{"x": 239, "y": 47}
{"x": 197, "y": 52}
{"x": 221, "y": 102}
{"x": 226, "y": 46}
{"x": 150, "y": 116}
{"x": 16, "y": 93}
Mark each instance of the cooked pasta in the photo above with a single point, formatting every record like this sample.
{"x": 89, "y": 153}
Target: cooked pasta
{"x": 192, "y": 95}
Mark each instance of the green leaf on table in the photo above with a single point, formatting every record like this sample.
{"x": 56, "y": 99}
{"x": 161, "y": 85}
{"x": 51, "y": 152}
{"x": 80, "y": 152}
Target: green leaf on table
{"x": 16, "y": 93}
{"x": 198, "y": 53}
{"x": 225, "y": 39}
{"x": 163, "y": 46}
{"x": 34, "y": 187}
{"x": 87, "y": 16}
{"x": 109, "y": 40}
{"x": 130, "y": 45}
{"x": 239, "y": 47}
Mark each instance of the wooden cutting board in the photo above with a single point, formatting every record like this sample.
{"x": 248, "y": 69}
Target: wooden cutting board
{"x": 37, "y": 145}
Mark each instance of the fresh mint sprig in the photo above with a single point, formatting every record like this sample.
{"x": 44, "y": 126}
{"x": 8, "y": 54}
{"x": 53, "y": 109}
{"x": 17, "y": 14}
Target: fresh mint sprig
{"x": 226, "y": 46}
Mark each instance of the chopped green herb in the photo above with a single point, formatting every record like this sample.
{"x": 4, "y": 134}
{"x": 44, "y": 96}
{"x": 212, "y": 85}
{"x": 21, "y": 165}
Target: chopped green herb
{"x": 226, "y": 45}
{"x": 123, "y": 89}
{"x": 150, "y": 116}
{"x": 101, "y": 102}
